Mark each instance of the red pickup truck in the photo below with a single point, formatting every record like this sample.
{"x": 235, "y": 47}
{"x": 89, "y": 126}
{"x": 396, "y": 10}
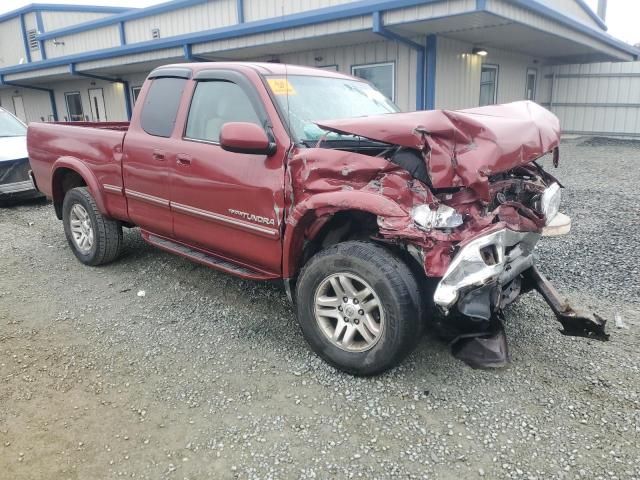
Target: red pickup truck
{"x": 370, "y": 216}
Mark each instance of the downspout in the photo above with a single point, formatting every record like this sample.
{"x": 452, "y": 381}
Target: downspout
{"x": 52, "y": 98}
{"x": 553, "y": 85}
{"x": 240, "y": 10}
{"x": 190, "y": 57}
{"x": 122, "y": 33}
{"x": 378, "y": 28}
{"x": 124, "y": 83}
{"x": 40, "y": 27}
{"x": 25, "y": 40}
{"x": 432, "y": 54}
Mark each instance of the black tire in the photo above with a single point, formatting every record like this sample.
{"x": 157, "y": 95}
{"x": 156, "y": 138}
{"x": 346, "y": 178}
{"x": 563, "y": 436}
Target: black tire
{"x": 107, "y": 238}
{"x": 398, "y": 292}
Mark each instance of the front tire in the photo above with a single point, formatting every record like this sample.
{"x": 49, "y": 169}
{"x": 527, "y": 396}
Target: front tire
{"x": 93, "y": 238}
{"x": 359, "y": 307}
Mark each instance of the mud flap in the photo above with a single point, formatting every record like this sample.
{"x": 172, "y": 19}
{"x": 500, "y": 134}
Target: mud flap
{"x": 575, "y": 323}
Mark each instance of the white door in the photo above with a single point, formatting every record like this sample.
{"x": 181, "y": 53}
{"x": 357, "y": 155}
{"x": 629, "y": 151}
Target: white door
{"x": 18, "y": 107}
{"x": 96, "y": 99}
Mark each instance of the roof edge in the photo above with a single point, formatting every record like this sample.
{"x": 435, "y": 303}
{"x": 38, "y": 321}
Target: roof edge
{"x": 128, "y": 14}
{"x": 56, "y": 7}
{"x": 544, "y": 10}
{"x": 585, "y": 6}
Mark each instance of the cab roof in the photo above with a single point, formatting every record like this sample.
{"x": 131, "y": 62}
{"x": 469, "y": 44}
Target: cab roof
{"x": 262, "y": 68}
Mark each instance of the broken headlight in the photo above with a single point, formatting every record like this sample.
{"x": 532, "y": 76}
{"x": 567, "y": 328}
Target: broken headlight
{"x": 550, "y": 202}
{"x": 442, "y": 217}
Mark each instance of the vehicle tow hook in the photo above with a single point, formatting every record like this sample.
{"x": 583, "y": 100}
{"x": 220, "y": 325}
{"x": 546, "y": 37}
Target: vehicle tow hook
{"x": 575, "y": 323}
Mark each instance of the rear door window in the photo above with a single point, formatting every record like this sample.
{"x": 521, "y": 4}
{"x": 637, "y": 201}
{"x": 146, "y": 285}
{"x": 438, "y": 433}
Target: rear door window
{"x": 161, "y": 106}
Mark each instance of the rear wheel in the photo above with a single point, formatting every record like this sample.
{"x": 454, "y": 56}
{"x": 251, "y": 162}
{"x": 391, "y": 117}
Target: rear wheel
{"x": 94, "y": 238}
{"x": 359, "y": 307}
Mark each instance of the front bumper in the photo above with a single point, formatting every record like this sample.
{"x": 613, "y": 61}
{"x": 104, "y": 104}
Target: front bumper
{"x": 487, "y": 274}
{"x": 485, "y": 266}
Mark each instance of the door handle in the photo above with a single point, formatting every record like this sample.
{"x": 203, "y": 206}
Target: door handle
{"x": 158, "y": 155}
{"x": 183, "y": 159}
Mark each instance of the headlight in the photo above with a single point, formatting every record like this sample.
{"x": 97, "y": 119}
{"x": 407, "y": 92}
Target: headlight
{"x": 550, "y": 202}
{"x": 442, "y": 217}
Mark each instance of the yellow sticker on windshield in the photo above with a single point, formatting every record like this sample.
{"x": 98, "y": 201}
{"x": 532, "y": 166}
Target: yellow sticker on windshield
{"x": 281, "y": 86}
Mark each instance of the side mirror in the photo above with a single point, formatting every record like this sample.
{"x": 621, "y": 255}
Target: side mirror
{"x": 244, "y": 137}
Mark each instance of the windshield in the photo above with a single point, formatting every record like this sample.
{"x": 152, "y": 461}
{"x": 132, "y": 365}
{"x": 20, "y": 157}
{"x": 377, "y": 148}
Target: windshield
{"x": 10, "y": 126}
{"x": 306, "y": 100}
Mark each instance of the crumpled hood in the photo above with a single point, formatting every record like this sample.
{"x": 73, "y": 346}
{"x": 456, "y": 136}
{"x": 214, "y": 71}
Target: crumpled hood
{"x": 13, "y": 148}
{"x": 464, "y": 147}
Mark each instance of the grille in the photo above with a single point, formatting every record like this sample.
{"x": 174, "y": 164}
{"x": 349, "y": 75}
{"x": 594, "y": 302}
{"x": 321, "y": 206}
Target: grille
{"x": 14, "y": 171}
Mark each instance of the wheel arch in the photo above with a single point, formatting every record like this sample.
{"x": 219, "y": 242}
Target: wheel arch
{"x": 70, "y": 173}
{"x": 320, "y": 215}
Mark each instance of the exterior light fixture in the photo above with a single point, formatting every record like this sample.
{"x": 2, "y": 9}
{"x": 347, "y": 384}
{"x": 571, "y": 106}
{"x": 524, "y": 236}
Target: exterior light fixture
{"x": 480, "y": 51}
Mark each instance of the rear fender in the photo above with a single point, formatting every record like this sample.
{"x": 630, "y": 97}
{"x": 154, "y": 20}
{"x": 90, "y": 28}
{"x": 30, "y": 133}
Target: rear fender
{"x": 78, "y": 166}
{"x": 308, "y": 217}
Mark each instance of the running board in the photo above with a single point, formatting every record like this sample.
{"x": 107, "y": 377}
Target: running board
{"x": 205, "y": 258}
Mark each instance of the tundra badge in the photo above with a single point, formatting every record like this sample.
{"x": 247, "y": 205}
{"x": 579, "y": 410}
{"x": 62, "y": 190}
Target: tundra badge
{"x": 252, "y": 217}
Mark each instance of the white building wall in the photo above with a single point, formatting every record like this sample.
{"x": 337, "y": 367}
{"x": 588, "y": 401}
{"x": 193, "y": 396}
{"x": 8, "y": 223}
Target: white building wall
{"x": 597, "y": 98}
{"x": 164, "y": 56}
{"x": 56, "y": 20}
{"x": 430, "y": 10}
{"x": 260, "y": 9}
{"x": 512, "y": 73}
{"x": 87, "y": 41}
{"x": 458, "y": 74}
{"x": 37, "y": 106}
{"x": 521, "y": 15}
{"x": 571, "y": 9}
{"x": 113, "y": 98}
{"x": 356, "y": 24}
{"x": 209, "y": 15}
{"x": 11, "y": 44}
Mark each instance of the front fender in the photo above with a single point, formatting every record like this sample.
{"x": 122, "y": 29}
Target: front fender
{"x": 315, "y": 210}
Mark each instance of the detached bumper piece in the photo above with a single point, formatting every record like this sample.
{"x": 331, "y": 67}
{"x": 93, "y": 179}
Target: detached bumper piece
{"x": 485, "y": 276}
{"x": 575, "y": 323}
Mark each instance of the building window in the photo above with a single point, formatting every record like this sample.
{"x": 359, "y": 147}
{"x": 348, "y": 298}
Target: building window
{"x": 135, "y": 93}
{"x": 214, "y": 104}
{"x": 33, "y": 41}
{"x": 161, "y": 106}
{"x": 74, "y": 106}
{"x": 382, "y": 75}
{"x": 530, "y": 89}
{"x": 488, "y": 85}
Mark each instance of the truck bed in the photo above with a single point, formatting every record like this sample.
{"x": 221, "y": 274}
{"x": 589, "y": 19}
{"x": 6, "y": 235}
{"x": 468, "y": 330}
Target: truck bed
{"x": 95, "y": 149}
{"x": 120, "y": 126}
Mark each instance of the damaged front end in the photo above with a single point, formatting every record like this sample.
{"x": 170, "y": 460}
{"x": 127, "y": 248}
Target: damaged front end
{"x": 462, "y": 193}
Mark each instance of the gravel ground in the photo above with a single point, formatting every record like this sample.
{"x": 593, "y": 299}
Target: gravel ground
{"x": 208, "y": 376}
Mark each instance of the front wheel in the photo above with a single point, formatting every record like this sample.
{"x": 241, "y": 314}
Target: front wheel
{"x": 94, "y": 238}
{"x": 359, "y": 307}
